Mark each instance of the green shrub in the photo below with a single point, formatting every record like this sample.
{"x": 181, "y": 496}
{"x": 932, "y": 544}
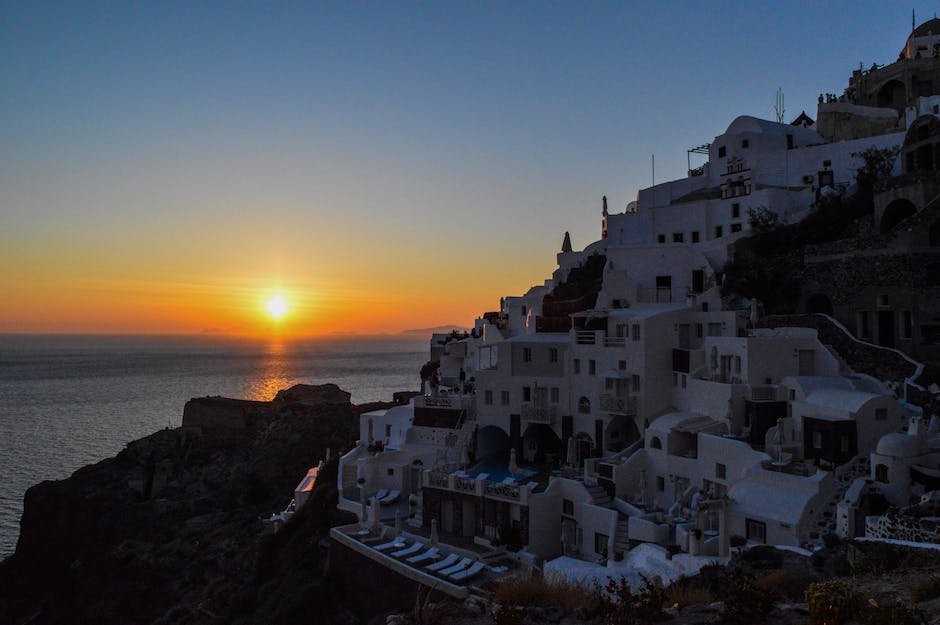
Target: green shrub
{"x": 745, "y": 600}
{"x": 626, "y": 607}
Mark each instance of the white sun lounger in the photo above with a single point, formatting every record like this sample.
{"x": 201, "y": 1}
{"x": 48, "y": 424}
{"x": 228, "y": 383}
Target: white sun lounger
{"x": 446, "y": 562}
{"x": 415, "y": 548}
{"x": 457, "y": 567}
{"x": 391, "y": 497}
{"x": 395, "y": 543}
{"x": 430, "y": 554}
{"x": 468, "y": 573}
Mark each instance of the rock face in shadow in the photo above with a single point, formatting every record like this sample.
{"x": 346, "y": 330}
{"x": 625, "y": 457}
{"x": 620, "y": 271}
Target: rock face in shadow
{"x": 169, "y": 530}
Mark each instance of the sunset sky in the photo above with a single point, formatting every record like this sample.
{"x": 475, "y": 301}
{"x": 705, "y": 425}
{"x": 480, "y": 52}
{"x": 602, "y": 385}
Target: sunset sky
{"x": 168, "y": 168}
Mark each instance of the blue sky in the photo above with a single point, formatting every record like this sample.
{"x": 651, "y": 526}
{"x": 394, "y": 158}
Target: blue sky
{"x": 460, "y": 132}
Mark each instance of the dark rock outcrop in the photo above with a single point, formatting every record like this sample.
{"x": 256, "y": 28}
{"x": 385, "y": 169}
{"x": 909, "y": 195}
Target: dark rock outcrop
{"x": 170, "y": 529}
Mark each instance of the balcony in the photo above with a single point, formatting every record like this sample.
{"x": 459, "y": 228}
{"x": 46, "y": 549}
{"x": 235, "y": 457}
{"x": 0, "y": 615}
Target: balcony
{"x": 618, "y": 405}
{"x": 536, "y": 413}
{"x": 585, "y": 337}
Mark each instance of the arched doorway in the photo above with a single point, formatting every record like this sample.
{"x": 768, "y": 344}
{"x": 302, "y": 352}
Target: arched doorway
{"x": 621, "y": 432}
{"x": 540, "y": 444}
{"x": 896, "y": 212}
{"x": 583, "y": 445}
{"x": 819, "y": 303}
{"x": 492, "y": 446}
{"x": 892, "y": 95}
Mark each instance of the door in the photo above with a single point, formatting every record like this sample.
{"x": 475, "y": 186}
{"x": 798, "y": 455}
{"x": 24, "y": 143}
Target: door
{"x": 684, "y": 336}
{"x": 807, "y": 362}
{"x": 698, "y": 281}
{"x": 886, "y": 328}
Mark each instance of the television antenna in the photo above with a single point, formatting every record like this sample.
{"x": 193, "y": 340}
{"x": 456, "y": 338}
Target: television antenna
{"x": 778, "y": 106}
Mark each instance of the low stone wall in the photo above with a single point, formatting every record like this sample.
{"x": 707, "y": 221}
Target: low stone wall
{"x": 899, "y": 526}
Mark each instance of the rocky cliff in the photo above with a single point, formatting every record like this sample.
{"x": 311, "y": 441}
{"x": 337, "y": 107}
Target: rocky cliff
{"x": 170, "y": 531}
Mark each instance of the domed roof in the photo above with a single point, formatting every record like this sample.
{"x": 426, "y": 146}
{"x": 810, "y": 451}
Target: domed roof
{"x": 900, "y": 445}
{"x": 930, "y": 27}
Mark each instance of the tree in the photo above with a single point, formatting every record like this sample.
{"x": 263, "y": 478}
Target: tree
{"x": 878, "y": 164}
{"x": 762, "y": 219}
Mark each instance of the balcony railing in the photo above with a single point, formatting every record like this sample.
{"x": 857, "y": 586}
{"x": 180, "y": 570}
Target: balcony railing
{"x": 585, "y": 337}
{"x": 620, "y": 405}
{"x": 539, "y": 413}
{"x": 763, "y": 393}
{"x": 615, "y": 341}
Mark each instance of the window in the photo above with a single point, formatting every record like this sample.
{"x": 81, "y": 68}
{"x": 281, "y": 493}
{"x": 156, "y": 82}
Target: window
{"x": 735, "y": 227}
{"x": 552, "y": 354}
{"x": 721, "y": 151}
{"x": 660, "y": 238}
{"x": 391, "y": 471}
{"x": 864, "y": 325}
{"x": 789, "y": 142}
{"x": 817, "y": 439}
{"x": 678, "y": 237}
{"x": 635, "y": 332}
{"x": 718, "y": 232}
{"x": 907, "y": 324}
{"x": 695, "y": 236}
{"x": 745, "y": 144}
{"x": 584, "y": 405}
{"x": 756, "y": 530}
{"x": 721, "y": 471}
{"x": 592, "y": 367}
{"x": 526, "y": 354}
{"x": 388, "y": 430}
{"x": 699, "y": 330}
{"x": 526, "y": 393}
{"x": 554, "y": 394}
{"x": 609, "y": 384}
{"x": 735, "y": 210}
{"x": 488, "y": 397}
{"x": 600, "y": 543}
{"x": 577, "y": 365}
{"x": 504, "y": 398}
{"x": 792, "y": 394}
{"x": 881, "y": 473}
{"x": 622, "y": 365}
{"x": 525, "y": 311}
{"x": 655, "y": 443}
{"x": 635, "y": 380}
{"x": 660, "y": 483}
{"x": 567, "y": 507}
{"x": 881, "y": 414}
{"x": 737, "y": 364}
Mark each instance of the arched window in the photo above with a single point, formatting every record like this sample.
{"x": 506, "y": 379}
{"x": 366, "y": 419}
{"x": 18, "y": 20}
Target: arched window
{"x": 881, "y": 473}
{"x": 584, "y": 405}
{"x": 655, "y": 443}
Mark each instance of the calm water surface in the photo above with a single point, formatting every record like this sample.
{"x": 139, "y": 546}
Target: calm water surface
{"x": 67, "y": 401}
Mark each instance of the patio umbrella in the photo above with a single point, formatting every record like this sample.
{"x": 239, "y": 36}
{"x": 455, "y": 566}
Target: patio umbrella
{"x": 570, "y": 455}
{"x": 434, "y": 536}
{"x": 513, "y": 465}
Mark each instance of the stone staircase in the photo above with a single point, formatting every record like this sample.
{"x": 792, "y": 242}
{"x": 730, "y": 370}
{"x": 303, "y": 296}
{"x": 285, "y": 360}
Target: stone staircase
{"x": 824, "y": 519}
{"x": 350, "y": 484}
{"x": 622, "y": 535}
{"x": 599, "y": 496}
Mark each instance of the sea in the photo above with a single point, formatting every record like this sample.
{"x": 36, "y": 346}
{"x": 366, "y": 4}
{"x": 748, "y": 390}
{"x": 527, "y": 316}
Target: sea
{"x": 68, "y": 401}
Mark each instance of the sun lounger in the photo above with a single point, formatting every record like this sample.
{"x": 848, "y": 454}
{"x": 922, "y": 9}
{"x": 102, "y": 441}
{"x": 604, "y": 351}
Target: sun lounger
{"x": 382, "y": 492}
{"x": 457, "y": 567}
{"x": 443, "y": 564}
{"x": 467, "y": 573}
{"x": 391, "y": 497}
{"x": 430, "y": 554}
{"x": 394, "y": 543}
{"x": 415, "y": 548}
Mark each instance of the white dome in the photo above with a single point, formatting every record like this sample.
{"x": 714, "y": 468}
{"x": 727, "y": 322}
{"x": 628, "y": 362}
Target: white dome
{"x": 901, "y": 446}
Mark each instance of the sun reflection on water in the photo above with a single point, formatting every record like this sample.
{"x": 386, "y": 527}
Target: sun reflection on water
{"x": 273, "y": 372}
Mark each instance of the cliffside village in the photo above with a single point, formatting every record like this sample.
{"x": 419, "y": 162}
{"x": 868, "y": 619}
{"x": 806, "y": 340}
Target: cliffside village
{"x": 625, "y": 416}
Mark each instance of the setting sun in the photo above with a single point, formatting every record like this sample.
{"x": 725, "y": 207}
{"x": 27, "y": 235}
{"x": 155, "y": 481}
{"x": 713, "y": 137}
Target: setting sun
{"x": 277, "y": 307}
